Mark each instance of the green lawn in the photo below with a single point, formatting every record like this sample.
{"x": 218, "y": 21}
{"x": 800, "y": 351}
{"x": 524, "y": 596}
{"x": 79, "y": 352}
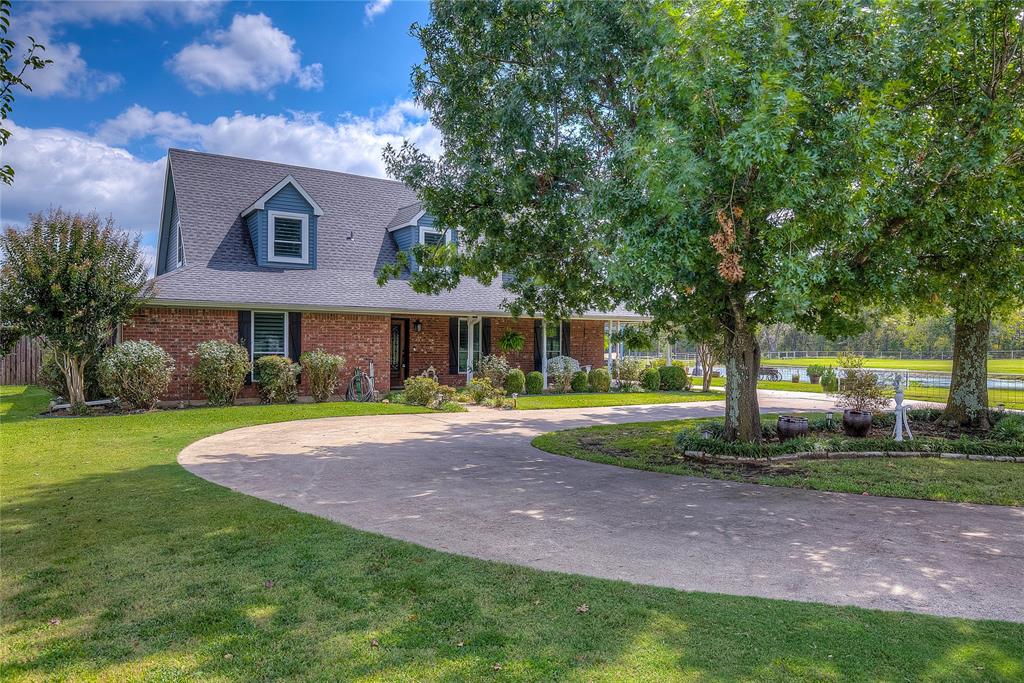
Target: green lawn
{"x": 651, "y": 446}
{"x": 995, "y": 365}
{"x": 120, "y": 565}
{"x": 589, "y": 400}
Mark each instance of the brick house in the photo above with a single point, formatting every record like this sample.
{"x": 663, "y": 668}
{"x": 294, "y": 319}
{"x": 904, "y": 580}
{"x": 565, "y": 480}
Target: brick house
{"x": 284, "y": 259}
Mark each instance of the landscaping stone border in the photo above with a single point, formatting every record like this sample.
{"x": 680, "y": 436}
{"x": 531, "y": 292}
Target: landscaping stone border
{"x": 844, "y": 455}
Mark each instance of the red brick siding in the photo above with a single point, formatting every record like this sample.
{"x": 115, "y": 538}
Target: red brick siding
{"x": 178, "y": 331}
{"x": 429, "y": 347}
{"x": 356, "y": 337}
{"x": 524, "y": 326}
{"x": 586, "y": 342}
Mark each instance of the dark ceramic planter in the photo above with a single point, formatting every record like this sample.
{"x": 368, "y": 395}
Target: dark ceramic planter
{"x": 791, "y": 427}
{"x": 856, "y": 423}
{"x": 814, "y": 378}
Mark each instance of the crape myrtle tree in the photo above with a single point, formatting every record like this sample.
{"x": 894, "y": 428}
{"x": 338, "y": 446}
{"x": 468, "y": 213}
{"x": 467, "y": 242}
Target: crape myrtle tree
{"x": 949, "y": 213}
{"x": 696, "y": 163}
{"x": 69, "y": 279}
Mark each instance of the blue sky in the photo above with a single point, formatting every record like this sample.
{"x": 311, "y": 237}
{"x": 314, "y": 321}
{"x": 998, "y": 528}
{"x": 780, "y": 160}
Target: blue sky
{"x": 314, "y": 83}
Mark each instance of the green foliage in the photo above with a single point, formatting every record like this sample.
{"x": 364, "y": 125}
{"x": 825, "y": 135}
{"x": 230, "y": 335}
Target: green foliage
{"x": 495, "y": 368}
{"x": 560, "y": 372}
{"x": 627, "y": 372}
{"x": 580, "y": 381}
{"x": 859, "y": 388}
{"x": 650, "y": 379}
{"x": 599, "y": 380}
{"x": 483, "y": 392}
{"x": 817, "y": 370}
{"x": 674, "y": 378}
{"x": 321, "y": 370}
{"x": 829, "y": 380}
{"x": 136, "y": 372}
{"x": 10, "y": 80}
{"x": 511, "y": 341}
{"x": 534, "y": 382}
{"x": 425, "y": 391}
{"x": 1009, "y": 428}
{"x": 51, "y": 377}
{"x": 276, "y": 377}
{"x": 220, "y": 369}
{"x": 515, "y": 382}
{"x": 70, "y": 279}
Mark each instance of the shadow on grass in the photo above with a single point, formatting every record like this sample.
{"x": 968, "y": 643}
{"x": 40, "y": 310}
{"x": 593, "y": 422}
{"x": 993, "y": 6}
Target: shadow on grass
{"x": 154, "y": 573}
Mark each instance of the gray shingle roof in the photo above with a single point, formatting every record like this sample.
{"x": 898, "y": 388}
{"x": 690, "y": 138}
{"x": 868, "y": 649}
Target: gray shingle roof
{"x": 352, "y": 243}
{"x": 406, "y": 215}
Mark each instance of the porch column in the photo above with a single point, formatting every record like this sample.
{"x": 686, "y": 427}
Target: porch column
{"x": 544, "y": 351}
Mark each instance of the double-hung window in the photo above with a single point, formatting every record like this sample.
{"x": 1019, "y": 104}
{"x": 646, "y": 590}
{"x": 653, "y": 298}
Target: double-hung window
{"x": 269, "y": 334}
{"x": 288, "y": 239}
{"x": 553, "y": 333}
{"x": 465, "y": 332}
{"x": 431, "y": 237}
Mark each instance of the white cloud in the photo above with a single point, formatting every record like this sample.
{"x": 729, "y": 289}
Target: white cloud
{"x": 78, "y": 171}
{"x": 252, "y": 54}
{"x": 55, "y": 168}
{"x": 372, "y": 9}
{"x": 69, "y": 75}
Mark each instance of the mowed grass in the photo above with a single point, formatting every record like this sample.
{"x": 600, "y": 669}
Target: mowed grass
{"x": 995, "y": 365}
{"x": 651, "y": 446}
{"x": 119, "y": 565}
{"x": 595, "y": 400}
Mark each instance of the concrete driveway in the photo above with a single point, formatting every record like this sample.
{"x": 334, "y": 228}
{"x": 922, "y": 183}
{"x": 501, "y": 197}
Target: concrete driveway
{"x": 470, "y": 483}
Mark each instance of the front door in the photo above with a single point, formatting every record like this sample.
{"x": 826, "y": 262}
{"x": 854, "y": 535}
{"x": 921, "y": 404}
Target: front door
{"x": 399, "y": 352}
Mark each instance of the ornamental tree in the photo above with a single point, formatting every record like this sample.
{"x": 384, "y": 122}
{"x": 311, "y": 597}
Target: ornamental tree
{"x": 698, "y": 164}
{"x": 70, "y": 280}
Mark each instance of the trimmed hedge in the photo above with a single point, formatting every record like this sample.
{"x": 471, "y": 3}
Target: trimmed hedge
{"x": 674, "y": 378}
{"x": 515, "y": 382}
{"x": 534, "y": 382}
{"x": 580, "y": 382}
{"x": 650, "y": 379}
{"x": 599, "y": 380}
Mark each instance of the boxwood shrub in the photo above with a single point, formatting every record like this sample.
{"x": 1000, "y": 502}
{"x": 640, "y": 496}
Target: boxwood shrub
{"x": 580, "y": 381}
{"x": 599, "y": 380}
{"x": 650, "y": 379}
{"x": 674, "y": 378}
{"x": 515, "y": 382}
{"x": 534, "y": 382}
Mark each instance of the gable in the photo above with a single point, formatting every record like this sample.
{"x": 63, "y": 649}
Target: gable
{"x": 170, "y": 253}
{"x": 286, "y": 205}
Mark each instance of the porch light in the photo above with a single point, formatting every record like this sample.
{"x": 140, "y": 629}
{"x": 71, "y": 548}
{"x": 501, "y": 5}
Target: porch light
{"x": 418, "y": 326}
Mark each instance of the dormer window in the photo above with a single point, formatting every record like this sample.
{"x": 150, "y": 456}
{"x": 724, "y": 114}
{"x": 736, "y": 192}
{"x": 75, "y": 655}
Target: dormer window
{"x": 432, "y": 236}
{"x": 288, "y": 237}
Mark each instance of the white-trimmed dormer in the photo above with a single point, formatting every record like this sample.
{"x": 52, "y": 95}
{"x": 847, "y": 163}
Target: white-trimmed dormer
{"x": 282, "y": 224}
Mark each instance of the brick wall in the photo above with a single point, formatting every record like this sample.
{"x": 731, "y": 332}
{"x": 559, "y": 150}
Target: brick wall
{"x": 357, "y": 337}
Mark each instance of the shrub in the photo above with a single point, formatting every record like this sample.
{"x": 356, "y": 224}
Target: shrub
{"x": 425, "y": 391}
{"x": 534, "y": 382}
{"x": 860, "y": 389}
{"x": 650, "y": 378}
{"x": 674, "y": 378}
{"x": 817, "y": 370}
{"x": 495, "y": 368}
{"x": 51, "y": 378}
{"x": 511, "y": 341}
{"x": 1009, "y": 428}
{"x": 515, "y": 382}
{"x": 600, "y": 380}
{"x": 829, "y": 381}
{"x": 322, "y": 371}
{"x": 276, "y": 377}
{"x": 220, "y": 370}
{"x": 483, "y": 392}
{"x": 136, "y": 372}
{"x": 580, "y": 382}
{"x": 627, "y": 371}
{"x": 560, "y": 372}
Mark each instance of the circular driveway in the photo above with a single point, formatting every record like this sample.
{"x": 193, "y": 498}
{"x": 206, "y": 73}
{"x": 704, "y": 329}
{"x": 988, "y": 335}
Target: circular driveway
{"x": 471, "y": 483}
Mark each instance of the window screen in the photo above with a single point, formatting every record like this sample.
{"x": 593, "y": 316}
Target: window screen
{"x": 432, "y": 238}
{"x": 287, "y": 237}
{"x": 268, "y": 334}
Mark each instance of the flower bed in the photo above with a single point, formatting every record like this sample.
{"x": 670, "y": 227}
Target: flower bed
{"x": 825, "y": 440}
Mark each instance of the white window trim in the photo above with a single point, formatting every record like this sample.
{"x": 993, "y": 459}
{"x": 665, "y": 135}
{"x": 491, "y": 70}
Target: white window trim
{"x": 424, "y": 230}
{"x": 304, "y": 218}
{"x": 252, "y": 335}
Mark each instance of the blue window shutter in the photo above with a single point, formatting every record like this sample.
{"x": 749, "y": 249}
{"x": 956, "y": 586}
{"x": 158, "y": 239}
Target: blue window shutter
{"x": 453, "y": 346}
{"x": 244, "y": 334}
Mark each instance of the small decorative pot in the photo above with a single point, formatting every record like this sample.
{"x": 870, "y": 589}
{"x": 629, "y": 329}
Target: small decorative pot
{"x": 814, "y": 378}
{"x": 716, "y": 373}
{"x": 796, "y": 378}
{"x": 856, "y": 423}
{"x": 791, "y": 427}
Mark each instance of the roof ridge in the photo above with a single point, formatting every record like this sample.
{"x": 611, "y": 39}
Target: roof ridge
{"x": 281, "y": 163}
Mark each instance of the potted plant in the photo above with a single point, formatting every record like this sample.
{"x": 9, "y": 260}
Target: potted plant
{"x": 791, "y": 427}
{"x": 815, "y": 372}
{"x": 795, "y": 377}
{"x": 829, "y": 381}
{"x": 860, "y": 394}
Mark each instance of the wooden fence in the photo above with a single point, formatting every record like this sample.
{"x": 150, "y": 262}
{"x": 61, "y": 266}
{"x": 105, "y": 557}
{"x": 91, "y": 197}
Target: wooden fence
{"x": 21, "y": 366}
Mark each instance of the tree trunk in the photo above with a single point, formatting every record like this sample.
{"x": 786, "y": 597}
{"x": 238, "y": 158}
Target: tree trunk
{"x": 742, "y": 362}
{"x": 74, "y": 378}
{"x": 967, "y": 403}
{"x": 706, "y": 362}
